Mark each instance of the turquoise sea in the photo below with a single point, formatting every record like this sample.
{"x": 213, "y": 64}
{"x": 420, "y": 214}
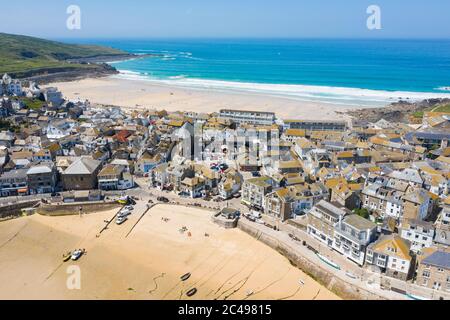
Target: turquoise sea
{"x": 338, "y": 71}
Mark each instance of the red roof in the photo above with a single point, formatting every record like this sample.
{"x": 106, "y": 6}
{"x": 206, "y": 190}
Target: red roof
{"x": 122, "y": 135}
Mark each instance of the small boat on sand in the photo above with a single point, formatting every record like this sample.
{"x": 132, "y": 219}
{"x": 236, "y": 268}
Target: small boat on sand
{"x": 328, "y": 261}
{"x": 249, "y": 293}
{"x": 416, "y": 297}
{"x": 123, "y": 200}
{"x": 77, "y": 254}
{"x": 186, "y": 276}
{"x": 191, "y": 292}
{"x": 301, "y": 282}
{"x": 67, "y": 256}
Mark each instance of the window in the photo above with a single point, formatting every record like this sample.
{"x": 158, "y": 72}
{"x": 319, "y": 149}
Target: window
{"x": 426, "y": 273}
{"x": 436, "y": 286}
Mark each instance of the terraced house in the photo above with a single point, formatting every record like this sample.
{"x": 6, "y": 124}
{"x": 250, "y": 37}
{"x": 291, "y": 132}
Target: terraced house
{"x": 254, "y": 191}
{"x": 323, "y": 218}
{"x": 392, "y": 255}
{"x": 352, "y": 235}
{"x": 14, "y": 183}
{"x": 434, "y": 271}
{"x": 42, "y": 178}
{"x": 114, "y": 177}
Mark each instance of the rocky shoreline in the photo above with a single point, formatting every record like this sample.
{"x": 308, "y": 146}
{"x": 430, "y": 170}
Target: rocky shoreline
{"x": 66, "y": 74}
{"x": 400, "y": 111}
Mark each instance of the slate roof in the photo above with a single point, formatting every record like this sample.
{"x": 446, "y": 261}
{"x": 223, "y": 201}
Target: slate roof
{"x": 84, "y": 165}
{"x": 439, "y": 259}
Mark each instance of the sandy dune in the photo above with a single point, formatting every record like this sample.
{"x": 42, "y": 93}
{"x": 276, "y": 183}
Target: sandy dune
{"x": 139, "y": 94}
{"x": 148, "y": 263}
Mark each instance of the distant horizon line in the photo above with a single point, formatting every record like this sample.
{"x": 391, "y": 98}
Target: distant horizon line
{"x": 55, "y": 38}
{"x": 251, "y": 38}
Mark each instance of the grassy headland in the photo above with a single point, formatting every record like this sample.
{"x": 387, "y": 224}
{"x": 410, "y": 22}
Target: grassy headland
{"x": 24, "y": 57}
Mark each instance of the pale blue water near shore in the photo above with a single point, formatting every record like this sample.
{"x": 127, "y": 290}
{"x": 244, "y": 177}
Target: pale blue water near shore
{"x": 356, "y": 72}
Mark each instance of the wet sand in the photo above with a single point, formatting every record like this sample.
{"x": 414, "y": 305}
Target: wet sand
{"x": 228, "y": 264}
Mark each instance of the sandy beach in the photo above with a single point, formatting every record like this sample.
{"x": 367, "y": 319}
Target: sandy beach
{"x": 146, "y": 264}
{"x": 141, "y": 94}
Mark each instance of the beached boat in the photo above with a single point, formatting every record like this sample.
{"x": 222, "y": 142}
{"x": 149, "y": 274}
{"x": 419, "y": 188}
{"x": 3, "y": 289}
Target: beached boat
{"x": 249, "y": 293}
{"x": 351, "y": 275}
{"x": 67, "y": 256}
{"x": 302, "y": 282}
{"x": 123, "y": 200}
{"x": 186, "y": 276}
{"x": 328, "y": 261}
{"x": 415, "y": 297}
{"x": 121, "y": 219}
{"x": 191, "y": 292}
{"x": 76, "y": 254}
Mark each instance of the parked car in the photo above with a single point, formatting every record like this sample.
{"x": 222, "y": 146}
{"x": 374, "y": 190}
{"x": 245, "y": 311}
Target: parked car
{"x": 163, "y": 199}
{"x": 256, "y": 174}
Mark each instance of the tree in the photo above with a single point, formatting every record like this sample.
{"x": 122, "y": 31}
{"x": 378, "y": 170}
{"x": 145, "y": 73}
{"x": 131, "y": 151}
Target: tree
{"x": 362, "y": 213}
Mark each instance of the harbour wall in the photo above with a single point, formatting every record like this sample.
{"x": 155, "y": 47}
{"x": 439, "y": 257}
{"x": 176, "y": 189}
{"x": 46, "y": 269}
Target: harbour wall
{"x": 341, "y": 288}
{"x": 64, "y": 209}
{"x": 14, "y": 210}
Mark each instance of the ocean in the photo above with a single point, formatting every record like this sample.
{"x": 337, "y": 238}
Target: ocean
{"x": 348, "y": 72}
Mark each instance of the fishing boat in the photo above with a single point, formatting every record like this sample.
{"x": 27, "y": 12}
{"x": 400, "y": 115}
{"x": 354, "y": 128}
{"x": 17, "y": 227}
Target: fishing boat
{"x": 328, "y": 261}
{"x": 191, "y": 292}
{"x": 186, "y": 276}
{"x": 123, "y": 200}
{"x": 121, "y": 219}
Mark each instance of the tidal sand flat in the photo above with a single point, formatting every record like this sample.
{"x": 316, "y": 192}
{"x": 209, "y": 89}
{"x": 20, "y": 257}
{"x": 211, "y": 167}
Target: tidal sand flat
{"x": 146, "y": 264}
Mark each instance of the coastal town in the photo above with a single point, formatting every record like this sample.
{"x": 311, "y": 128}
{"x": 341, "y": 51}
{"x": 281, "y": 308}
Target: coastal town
{"x": 368, "y": 201}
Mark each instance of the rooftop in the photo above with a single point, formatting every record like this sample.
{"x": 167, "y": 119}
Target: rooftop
{"x": 439, "y": 259}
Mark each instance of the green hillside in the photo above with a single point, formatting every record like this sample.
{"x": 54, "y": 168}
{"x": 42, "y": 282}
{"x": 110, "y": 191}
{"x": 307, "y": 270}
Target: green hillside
{"x": 22, "y": 55}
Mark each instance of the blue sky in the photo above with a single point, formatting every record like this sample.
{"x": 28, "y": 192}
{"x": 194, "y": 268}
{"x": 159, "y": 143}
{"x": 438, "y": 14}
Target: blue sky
{"x": 227, "y": 18}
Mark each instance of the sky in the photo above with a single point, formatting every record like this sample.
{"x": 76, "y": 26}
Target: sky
{"x": 227, "y": 18}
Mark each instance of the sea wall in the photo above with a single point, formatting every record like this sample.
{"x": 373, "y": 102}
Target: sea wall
{"x": 63, "y": 209}
{"x": 14, "y": 210}
{"x": 341, "y": 288}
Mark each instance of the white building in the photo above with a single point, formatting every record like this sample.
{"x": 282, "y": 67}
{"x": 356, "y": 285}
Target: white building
{"x": 322, "y": 219}
{"x": 394, "y": 205}
{"x": 10, "y": 86}
{"x": 391, "y": 254}
{"x": 249, "y": 117}
{"x": 352, "y": 235}
{"x": 419, "y": 233}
